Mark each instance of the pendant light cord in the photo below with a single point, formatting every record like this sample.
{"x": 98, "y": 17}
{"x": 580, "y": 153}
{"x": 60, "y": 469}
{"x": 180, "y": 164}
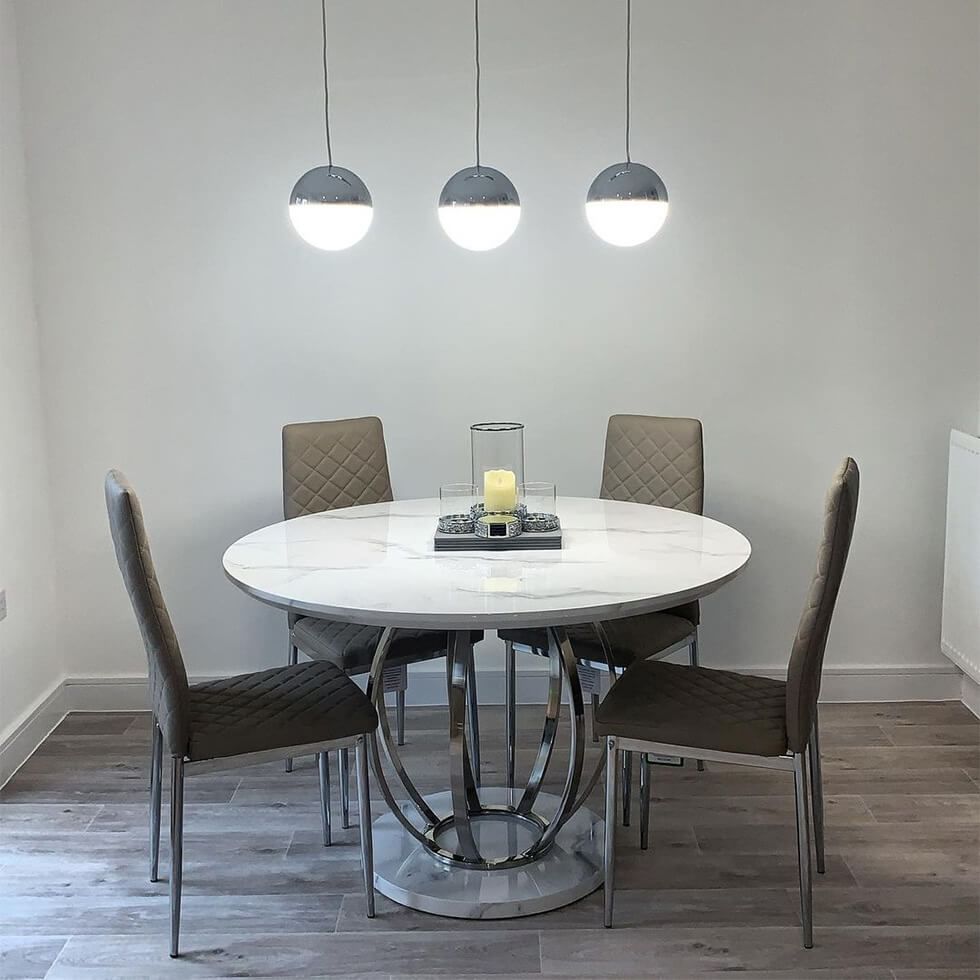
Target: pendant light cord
{"x": 326, "y": 87}
{"x": 476, "y": 34}
{"x": 629, "y": 59}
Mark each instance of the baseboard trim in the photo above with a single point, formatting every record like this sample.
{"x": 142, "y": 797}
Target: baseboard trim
{"x": 19, "y": 744}
{"x": 914, "y": 682}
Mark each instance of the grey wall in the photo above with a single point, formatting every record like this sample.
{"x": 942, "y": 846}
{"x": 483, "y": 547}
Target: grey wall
{"x": 813, "y": 294}
{"x": 30, "y": 662}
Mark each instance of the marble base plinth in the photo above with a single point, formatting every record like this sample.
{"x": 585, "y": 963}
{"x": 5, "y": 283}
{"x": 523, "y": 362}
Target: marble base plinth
{"x": 407, "y": 873}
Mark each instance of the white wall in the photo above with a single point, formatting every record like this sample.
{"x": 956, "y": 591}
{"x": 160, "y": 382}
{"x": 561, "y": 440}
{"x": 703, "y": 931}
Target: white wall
{"x": 30, "y": 661}
{"x": 814, "y": 293}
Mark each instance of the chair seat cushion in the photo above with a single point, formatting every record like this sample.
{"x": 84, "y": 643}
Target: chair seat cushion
{"x": 633, "y": 638}
{"x": 278, "y": 708}
{"x": 351, "y": 647}
{"x": 698, "y": 707}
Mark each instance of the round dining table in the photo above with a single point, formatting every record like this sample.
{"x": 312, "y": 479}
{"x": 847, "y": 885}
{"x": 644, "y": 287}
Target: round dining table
{"x": 473, "y": 850}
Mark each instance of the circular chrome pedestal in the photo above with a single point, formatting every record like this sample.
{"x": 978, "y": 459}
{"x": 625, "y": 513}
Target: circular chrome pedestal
{"x": 411, "y": 875}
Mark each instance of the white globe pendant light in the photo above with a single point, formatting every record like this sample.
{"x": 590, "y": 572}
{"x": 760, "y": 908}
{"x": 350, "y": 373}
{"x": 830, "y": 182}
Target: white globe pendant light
{"x": 627, "y": 202}
{"x": 330, "y": 207}
{"x": 479, "y": 208}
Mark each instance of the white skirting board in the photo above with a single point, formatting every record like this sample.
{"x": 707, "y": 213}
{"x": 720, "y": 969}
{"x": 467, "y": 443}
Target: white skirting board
{"x": 961, "y": 578}
{"x": 925, "y": 682}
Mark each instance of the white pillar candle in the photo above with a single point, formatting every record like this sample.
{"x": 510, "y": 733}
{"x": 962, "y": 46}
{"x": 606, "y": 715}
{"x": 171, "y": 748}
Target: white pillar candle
{"x": 499, "y": 491}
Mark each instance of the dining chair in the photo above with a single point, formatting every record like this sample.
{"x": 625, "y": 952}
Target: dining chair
{"x": 245, "y": 720}
{"x": 735, "y": 718}
{"x": 648, "y": 459}
{"x": 344, "y": 463}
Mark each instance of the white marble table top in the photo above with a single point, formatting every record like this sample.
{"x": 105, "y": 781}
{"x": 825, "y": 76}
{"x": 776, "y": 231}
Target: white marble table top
{"x": 376, "y": 565}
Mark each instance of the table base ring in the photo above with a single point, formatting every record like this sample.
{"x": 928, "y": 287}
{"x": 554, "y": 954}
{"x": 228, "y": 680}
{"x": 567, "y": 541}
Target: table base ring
{"x": 504, "y": 813}
{"x": 412, "y": 875}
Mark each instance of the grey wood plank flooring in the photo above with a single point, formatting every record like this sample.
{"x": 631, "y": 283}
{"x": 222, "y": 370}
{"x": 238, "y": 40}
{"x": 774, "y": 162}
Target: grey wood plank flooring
{"x": 715, "y": 894}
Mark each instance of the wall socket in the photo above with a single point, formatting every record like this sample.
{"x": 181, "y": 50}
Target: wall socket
{"x": 3, "y": 604}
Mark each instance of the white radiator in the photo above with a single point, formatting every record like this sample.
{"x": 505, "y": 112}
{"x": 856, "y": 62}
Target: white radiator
{"x": 961, "y": 580}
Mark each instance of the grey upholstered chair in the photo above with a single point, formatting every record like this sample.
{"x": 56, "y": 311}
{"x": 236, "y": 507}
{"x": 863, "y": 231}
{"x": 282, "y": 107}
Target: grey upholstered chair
{"x": 344, "y": 463}
{"x": 243, "y": 720}
{"x": 723, "y": 716}
{"x": 648, "y": 460}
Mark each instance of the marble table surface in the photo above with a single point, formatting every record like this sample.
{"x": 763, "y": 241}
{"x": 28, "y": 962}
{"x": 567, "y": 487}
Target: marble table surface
{"x": 376, "y": 565}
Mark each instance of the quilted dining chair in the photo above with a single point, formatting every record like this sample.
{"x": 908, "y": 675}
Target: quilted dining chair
{"x": 725, "y": 716}
{"x": 648, "y": 460}
{"x": 245, "y": 720}
{"x": 344, "y": 463}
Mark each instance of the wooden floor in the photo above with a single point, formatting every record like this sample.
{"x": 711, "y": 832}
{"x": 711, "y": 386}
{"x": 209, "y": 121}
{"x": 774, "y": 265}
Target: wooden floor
{"x": 716, "y": 893}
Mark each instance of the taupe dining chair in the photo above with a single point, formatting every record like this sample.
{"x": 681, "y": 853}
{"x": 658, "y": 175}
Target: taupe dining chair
{"x": 344, "y": 463}
{"x": 648, "y": 460}
{"x": 245, "y": 720}
{"x": 723, "y": 716}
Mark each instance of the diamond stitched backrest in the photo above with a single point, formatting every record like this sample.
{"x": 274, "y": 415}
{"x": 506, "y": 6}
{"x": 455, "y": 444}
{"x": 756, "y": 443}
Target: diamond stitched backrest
{"x": 326, "y": 465}
{"x": 652, "y": 460}
{"x": 167, "y": 676}
{"x": 806, "y": 661}
{"x": 655, "y": 460}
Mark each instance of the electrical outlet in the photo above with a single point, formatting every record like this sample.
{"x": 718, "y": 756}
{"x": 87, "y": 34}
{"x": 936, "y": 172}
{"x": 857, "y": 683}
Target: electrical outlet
{"x": 3, "y": 603}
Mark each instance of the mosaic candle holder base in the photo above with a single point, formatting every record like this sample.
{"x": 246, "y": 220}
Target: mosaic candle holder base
{"x": 456, "y": 523}
{"x": 540, "y": 522}
{"x": 497, "y": 526}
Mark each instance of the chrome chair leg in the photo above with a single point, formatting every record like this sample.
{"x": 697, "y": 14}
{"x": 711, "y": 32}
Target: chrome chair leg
{"x": 693, "y": 656}
{"x": 323, "y": 766}
{"x": 364, "y": 813}
{"x": 400, "y": 716}
{"x": 627, "y": 786}
{"x": 156, "y": 777}
{"x": 816, "y": 794}
{"x": 644, "y": 802}
{"x": 803, "y": 846}
{"x": 609, "y": 840}
{"x": 345, "y": 788}
{"x": 595, "y": 708}
{"x": 293, "y": 660}
{"x": 510, "y": 710}
{"x": 473, "y": 708}
{"x": 176, "y": 850}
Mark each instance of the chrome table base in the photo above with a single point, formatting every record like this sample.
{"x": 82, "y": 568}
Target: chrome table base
{"x": 478, "y": 852}
{"x": 409, "y": 874}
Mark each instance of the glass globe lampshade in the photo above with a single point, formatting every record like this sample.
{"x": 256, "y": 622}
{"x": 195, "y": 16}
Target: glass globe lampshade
{"x": 330, "y": 208}
{"x": 626, "y": 204}
{"x": 479, "y": 208}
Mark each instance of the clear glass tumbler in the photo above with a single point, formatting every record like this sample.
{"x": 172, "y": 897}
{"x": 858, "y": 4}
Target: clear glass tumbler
{"x": 456, "y": 502}
{"x": 540, "y": 507}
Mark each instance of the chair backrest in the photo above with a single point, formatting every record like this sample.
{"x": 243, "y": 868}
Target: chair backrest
{"x": 653, "y": 460}
{"x": 806, "y": 661}
{"x": 168, "y": 679}
{"x": 656, "y": 460}
{"x": 326, "y": 465}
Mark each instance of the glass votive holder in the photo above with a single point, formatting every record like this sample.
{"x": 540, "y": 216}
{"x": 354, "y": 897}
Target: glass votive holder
{"x": 456, "y": 508}
{"x": 497, "y": 451}
{"x": 540, "y": 507}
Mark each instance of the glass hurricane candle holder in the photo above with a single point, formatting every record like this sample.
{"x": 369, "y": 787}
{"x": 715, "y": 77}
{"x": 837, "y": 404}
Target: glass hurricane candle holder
{"x": 497, "y": 450}
{"x": 456, "y": 508}
{"x": 540, "y": 510}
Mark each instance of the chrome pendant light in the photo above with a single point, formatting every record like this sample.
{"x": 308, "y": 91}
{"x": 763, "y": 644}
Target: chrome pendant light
{"x": 627, "y": 203}
{"x": 479, "y": 208}
{"x": 330, "y": 207}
